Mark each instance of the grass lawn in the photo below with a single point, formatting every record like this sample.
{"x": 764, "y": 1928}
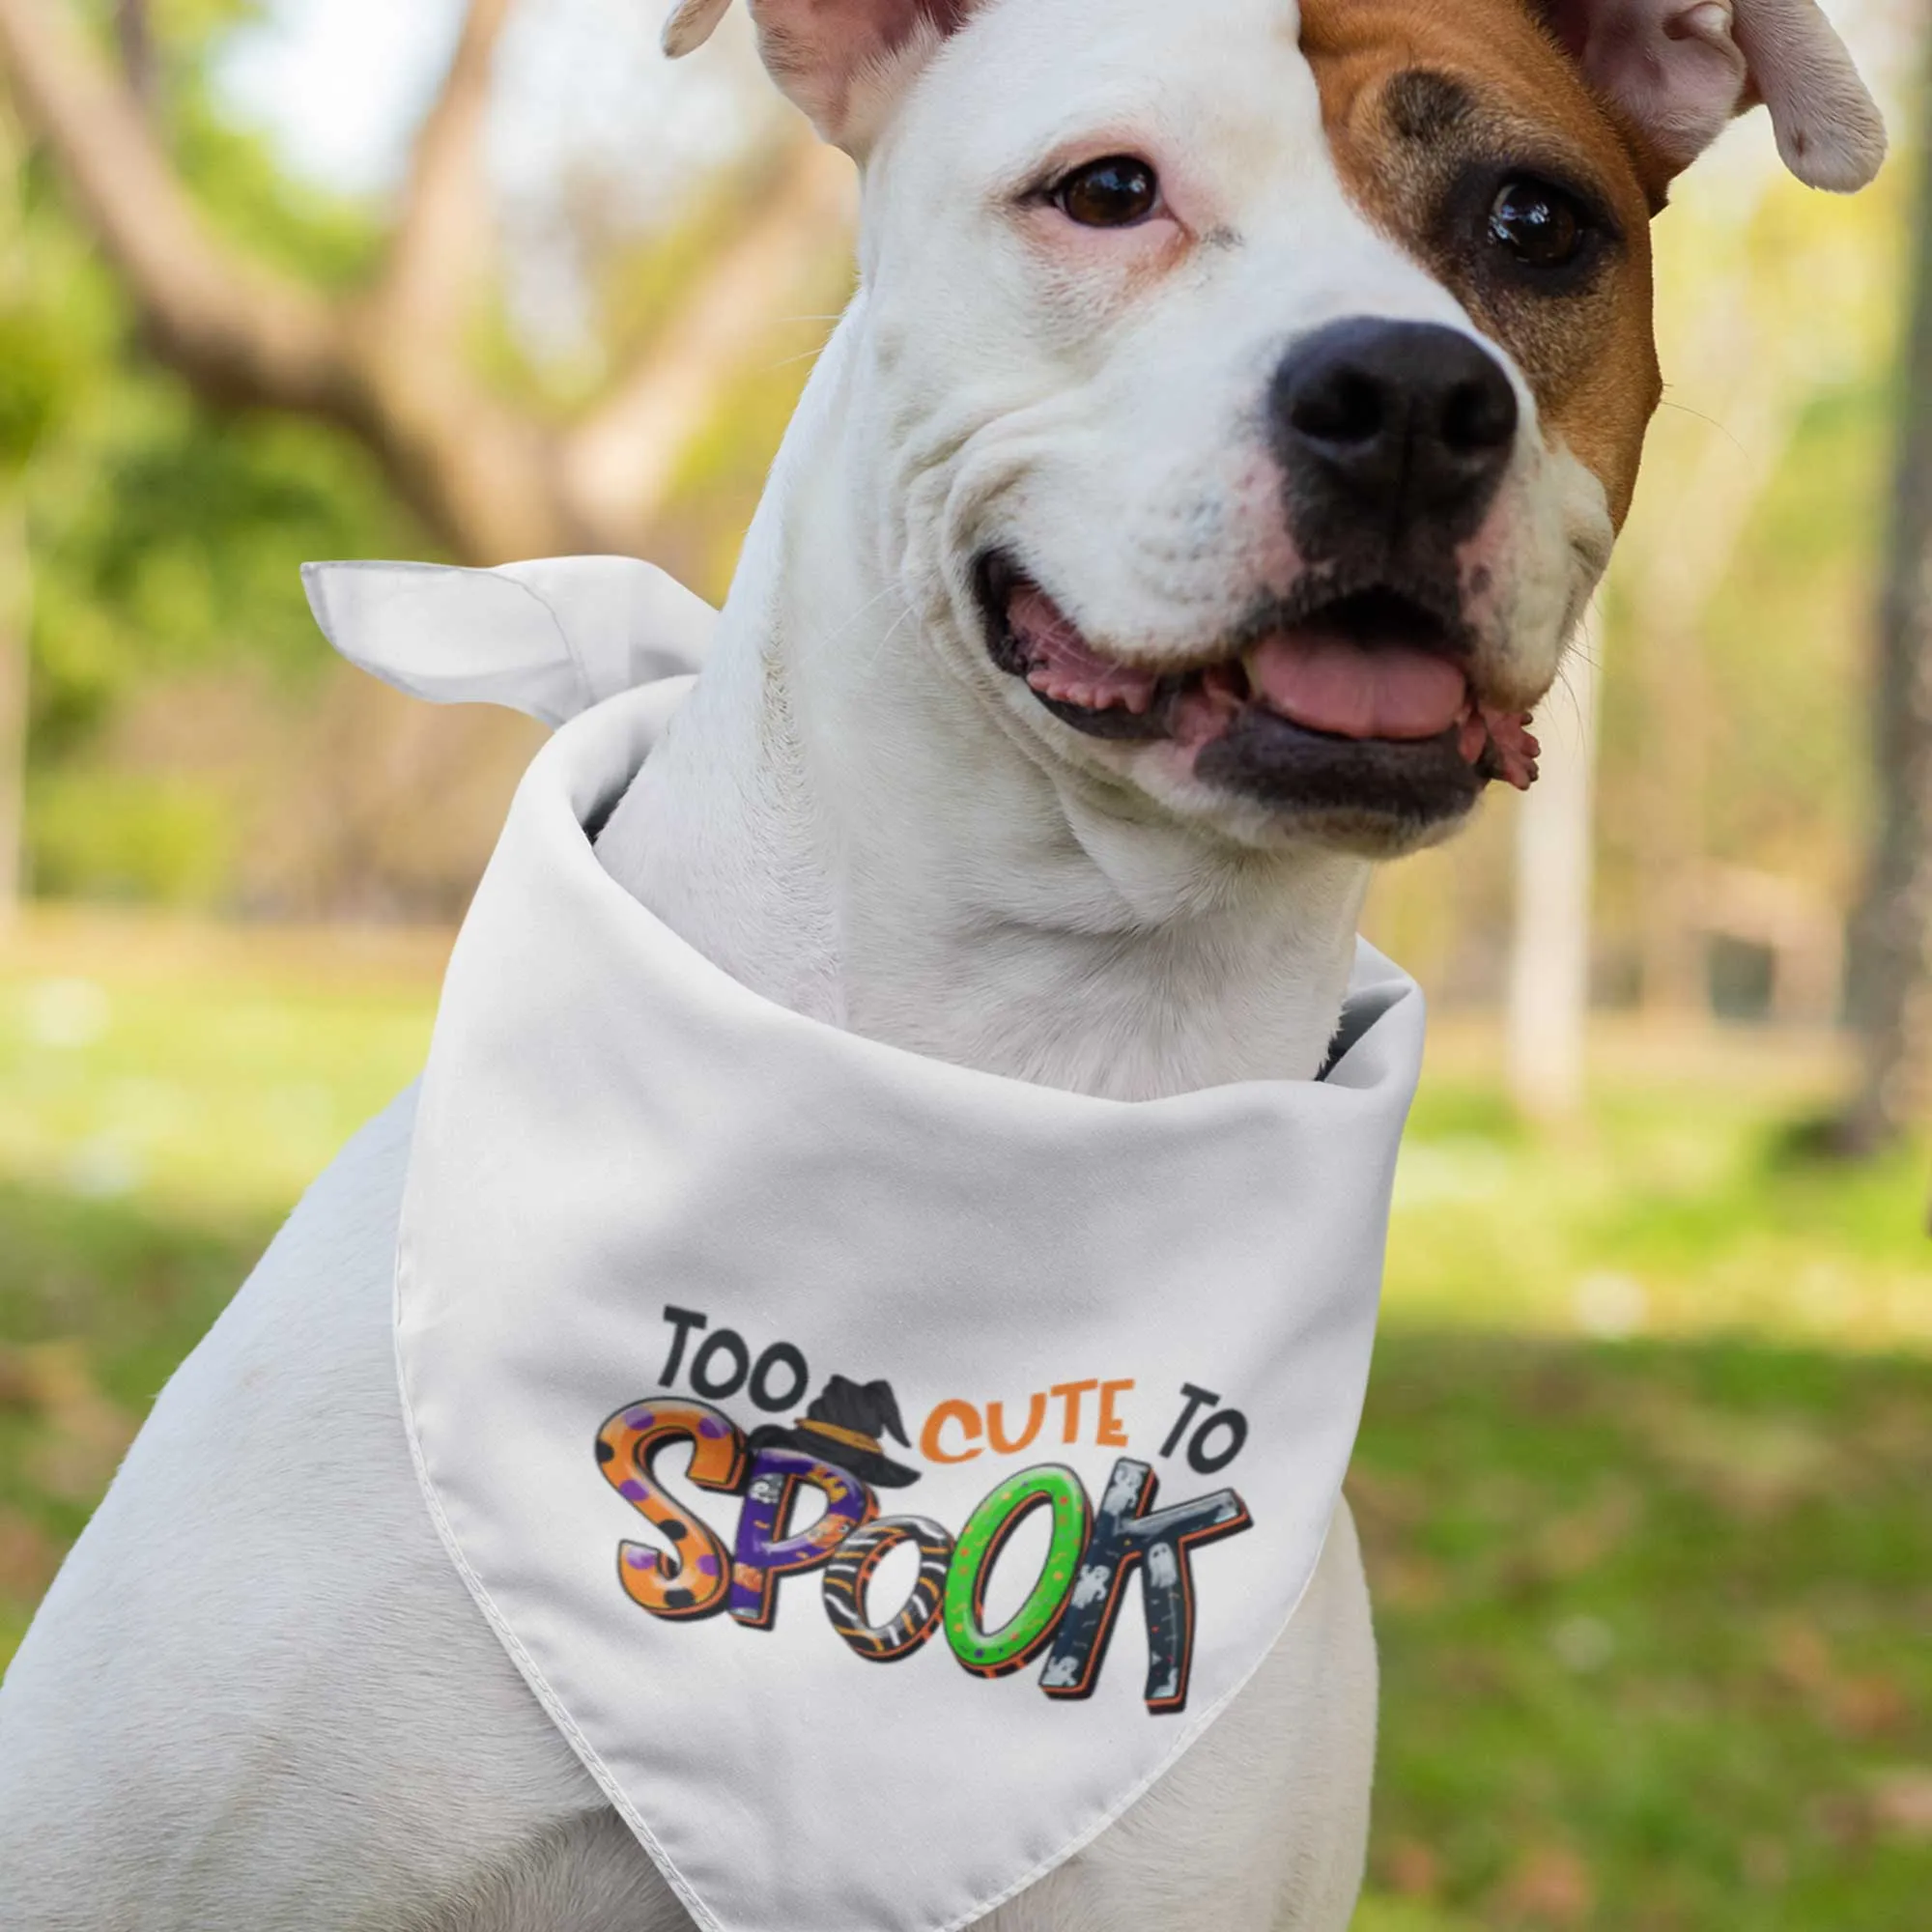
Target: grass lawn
{"x": 1644, "y": 1480}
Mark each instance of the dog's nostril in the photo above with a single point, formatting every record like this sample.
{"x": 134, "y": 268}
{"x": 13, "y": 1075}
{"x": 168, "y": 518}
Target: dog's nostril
{"x": 1480, "y": 416}
{"x": 1347, "y": 408}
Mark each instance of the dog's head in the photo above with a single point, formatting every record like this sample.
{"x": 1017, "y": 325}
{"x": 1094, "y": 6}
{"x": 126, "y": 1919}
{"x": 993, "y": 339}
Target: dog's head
{"x": 1258, "y": 388}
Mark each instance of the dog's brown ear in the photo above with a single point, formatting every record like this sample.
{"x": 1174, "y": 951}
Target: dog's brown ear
{"x": 1680, "y": 69}
{"x": 836, "y": 58}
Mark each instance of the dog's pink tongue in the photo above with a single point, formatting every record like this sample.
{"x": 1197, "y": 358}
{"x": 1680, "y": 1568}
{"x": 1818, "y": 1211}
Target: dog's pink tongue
{"x": 1329, "y": 684}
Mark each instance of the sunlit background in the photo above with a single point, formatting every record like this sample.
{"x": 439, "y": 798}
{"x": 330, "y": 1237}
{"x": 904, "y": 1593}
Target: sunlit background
{"x": 1644, "y": 1478}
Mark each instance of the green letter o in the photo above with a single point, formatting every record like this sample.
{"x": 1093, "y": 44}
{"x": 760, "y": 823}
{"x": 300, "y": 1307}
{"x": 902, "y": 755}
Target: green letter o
{"x": 1017, "y": 1643}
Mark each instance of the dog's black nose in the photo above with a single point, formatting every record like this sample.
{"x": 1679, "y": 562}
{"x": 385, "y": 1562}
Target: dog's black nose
{"x": 1402, "y": 419}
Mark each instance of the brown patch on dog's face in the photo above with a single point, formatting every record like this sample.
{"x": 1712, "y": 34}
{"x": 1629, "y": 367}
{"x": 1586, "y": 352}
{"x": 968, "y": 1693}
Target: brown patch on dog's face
{"x": 1434, "y": 109}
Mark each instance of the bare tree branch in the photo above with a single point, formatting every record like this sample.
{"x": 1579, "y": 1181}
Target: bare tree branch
{"x": 619, "y": 463}
{"x": 386, "y": 363}
{"x": 478, "y": 474}
{"x": 136, "y": 36}
{"x": 441, "y": 239}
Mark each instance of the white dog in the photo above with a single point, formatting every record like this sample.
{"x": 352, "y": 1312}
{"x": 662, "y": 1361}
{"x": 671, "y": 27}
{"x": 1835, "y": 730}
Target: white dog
{"x": 1235, "y": 415}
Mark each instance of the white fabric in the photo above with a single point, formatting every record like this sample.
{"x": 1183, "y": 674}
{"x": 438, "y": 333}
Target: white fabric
{"x": 615, "y": 1138}
{"x": 550, "y": 638}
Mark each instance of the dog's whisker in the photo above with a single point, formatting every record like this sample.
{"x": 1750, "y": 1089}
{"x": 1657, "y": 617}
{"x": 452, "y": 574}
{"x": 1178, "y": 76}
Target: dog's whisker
{"x": 1718, "y": 423}
{"x": 827, "y": 640}
{"x": 890, "y": 631}
{"x": 790, "y": 361}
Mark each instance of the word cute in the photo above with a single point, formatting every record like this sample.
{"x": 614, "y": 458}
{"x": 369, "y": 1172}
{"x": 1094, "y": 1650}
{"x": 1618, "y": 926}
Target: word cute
{"x": 1068, "y": 1614}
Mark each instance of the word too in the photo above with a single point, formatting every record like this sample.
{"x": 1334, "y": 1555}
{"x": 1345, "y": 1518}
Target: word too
{"x": 722, "y": 1364}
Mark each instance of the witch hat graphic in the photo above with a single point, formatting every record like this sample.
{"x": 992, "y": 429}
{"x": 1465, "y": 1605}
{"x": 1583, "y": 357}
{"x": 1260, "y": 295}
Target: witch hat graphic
{"x": 844, "y": 1426}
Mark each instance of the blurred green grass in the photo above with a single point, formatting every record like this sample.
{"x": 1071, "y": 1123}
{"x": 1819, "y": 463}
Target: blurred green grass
{"x": 1643, "y": 1482}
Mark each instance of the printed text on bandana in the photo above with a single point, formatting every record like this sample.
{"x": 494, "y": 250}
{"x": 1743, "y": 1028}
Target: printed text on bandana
{"x": 838, "y": 1450}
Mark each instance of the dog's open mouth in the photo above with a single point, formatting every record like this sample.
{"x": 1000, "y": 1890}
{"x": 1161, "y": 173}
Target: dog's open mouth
{"x": 1360, "y": 702}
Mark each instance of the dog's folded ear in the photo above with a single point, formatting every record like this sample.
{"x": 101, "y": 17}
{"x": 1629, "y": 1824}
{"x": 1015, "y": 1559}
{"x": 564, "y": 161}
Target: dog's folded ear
{"x": 837, "y": 60}
{"x": 1680, "y": 69}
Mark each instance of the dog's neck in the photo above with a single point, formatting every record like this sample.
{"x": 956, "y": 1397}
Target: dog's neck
{"x": 837, "y": 820}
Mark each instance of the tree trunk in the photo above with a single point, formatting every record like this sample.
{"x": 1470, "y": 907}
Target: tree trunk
{"x": 1549, "y": 958}
{"x": 1891, "y": 960}
{"x": 1670, "y": 812}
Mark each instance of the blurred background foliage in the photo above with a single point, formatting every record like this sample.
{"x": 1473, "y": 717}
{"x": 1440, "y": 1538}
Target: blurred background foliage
{"x": 1643, "y": 1478}
{"x": 166, "y": 624}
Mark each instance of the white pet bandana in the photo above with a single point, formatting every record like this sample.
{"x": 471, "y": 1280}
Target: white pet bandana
{"x": 881, "y": 1471}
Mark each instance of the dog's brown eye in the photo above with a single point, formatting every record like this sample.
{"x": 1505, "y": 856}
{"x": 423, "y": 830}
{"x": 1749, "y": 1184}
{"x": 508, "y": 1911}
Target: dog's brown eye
{"x": 1113, "y": 193}
{"x": 1539, "y": 225}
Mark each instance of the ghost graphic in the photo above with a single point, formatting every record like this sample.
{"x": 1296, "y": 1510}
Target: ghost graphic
{"x": 1092, "y": 1586}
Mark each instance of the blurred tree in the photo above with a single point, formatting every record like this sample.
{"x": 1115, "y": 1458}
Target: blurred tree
{"x": 1890, "y": 962}
{"x": 161, "y": 531}
{"x": 191, "y": 743}
{"x": 388, "y": 358}
{"x": 1667, "y": 590}
{"x": 1547, "y": 989}
{"x": 135, "y": 34}
{"x": 28, "y": 380}
{"x": 1720, "y": 641}
{"x": 1677, "y": 555}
